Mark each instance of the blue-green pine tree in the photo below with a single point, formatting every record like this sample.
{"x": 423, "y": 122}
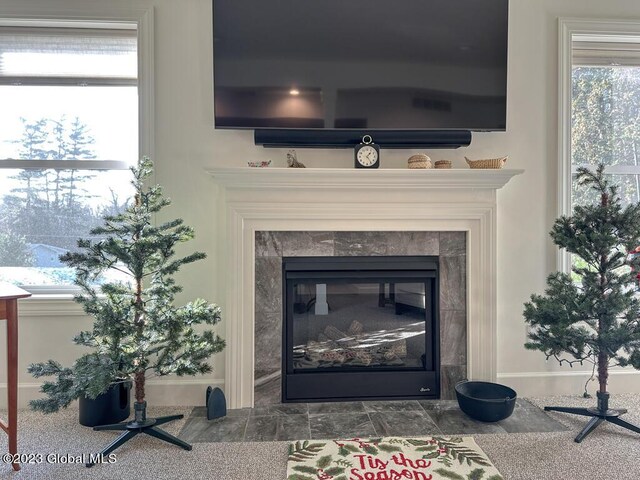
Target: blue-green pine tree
{"x": 598, "y": 319}
{"x": 138, "y": 330}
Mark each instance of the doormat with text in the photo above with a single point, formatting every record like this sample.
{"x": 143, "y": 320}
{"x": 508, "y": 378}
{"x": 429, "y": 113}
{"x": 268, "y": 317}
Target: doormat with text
{"x": 390, "y": 458}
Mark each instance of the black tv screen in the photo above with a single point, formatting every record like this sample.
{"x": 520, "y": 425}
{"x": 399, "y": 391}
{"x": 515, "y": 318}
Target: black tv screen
{"x": 360, "y": 64}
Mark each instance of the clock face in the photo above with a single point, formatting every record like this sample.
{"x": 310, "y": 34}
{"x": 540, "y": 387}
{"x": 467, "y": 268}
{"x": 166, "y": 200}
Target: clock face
{"x": 367, "y": 156}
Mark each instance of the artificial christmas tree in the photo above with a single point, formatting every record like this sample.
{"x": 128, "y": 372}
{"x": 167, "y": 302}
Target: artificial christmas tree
{"x": 137, "y": 329}
{"x": 596, "y": 320}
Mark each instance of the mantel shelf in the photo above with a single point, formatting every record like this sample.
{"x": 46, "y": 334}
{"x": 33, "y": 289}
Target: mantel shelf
{"x": 384, "y": 178}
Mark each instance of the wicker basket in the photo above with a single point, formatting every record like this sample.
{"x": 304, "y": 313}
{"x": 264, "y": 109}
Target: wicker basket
{"x": 443, "y": 164}
{"x": 419, "y": 161}
{"x": 487, "y": 163}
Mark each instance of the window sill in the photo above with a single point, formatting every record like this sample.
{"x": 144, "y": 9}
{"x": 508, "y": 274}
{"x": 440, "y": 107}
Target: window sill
{"x": 51, "y": 291}
{"x": 50, "y": 305}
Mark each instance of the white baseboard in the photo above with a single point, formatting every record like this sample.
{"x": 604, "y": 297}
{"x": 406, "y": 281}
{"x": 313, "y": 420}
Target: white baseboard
{"x": 191, "y": 391}
{"x": 538, "y": 384}
{"x": 174, "y": 392}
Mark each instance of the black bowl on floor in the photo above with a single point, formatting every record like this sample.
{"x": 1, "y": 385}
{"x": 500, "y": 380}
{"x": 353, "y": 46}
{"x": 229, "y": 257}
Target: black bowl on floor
{"x": 486, "y": 401}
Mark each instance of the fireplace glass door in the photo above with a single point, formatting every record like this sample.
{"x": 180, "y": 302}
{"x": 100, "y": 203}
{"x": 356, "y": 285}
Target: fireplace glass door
{"x": 343, "y": 323}
{"x": 345, "y": 318}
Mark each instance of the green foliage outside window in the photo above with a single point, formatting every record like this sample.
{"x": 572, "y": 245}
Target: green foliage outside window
{"x": 605, "y": 127}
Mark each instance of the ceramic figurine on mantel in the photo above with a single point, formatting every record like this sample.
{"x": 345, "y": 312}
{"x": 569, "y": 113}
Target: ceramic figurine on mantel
{"x": 259, "y": 164}
{"x": 292, "y": 160}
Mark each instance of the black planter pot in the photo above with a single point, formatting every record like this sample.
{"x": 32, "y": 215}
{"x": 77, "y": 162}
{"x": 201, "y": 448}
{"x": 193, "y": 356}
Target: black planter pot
{"x": 486, "y": 401}
{"x": 113, "y": 406}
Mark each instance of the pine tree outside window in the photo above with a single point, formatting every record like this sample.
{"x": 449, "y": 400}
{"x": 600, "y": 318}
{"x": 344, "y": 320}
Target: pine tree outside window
{"x": 69, "y": 131}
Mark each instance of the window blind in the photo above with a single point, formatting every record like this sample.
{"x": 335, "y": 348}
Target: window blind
{"x": 605, "y": 52}
{"x": 61, "y": 56}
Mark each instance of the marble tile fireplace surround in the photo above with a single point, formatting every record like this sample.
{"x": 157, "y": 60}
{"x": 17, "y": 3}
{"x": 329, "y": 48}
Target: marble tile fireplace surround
{"x": 271, "y": 246}
{"x": 265, "y": 214}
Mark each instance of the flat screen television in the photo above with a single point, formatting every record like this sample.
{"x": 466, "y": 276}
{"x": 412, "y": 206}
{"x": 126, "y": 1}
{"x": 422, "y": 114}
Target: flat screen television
{"x": 360, "y": 64}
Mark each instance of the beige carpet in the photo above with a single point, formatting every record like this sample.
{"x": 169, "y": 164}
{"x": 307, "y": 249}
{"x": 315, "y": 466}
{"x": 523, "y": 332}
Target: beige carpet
{"x": 610, "y": 453}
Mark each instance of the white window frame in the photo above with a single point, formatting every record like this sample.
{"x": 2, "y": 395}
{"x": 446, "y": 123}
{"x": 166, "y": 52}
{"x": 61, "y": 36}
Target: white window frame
{"x": 567, "y": 28}
{"x": 14, "y": 12}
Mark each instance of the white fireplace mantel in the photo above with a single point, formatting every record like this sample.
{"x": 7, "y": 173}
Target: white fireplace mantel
{"x": 328, "y": 199}
{"x": 385, "y": 178}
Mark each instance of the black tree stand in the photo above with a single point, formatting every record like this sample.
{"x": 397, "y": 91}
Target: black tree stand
{"x": 600, "y": 414}
{"x": 140, "y": 424}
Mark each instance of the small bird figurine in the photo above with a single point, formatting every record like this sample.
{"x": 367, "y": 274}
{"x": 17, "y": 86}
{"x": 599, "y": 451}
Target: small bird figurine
{"x": 292, "y": 160}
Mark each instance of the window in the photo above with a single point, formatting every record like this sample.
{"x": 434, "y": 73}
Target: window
{"x": 68, "y": 134}
{"x": 605, "y": 111}
{"x": 600, "y": 108}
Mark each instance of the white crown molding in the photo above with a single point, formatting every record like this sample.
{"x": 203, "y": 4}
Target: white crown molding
{"x": 254, "y": 200}
{"x": 385, "y": 178}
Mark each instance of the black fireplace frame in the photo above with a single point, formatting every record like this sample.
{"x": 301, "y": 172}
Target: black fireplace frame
{"x": 362, "y": 384}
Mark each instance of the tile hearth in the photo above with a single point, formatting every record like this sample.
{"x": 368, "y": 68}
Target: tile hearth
{"x": 299, "y": 421}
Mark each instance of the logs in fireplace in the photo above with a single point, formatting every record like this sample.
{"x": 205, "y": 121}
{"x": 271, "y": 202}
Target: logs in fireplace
{"x": 360, "y": 328}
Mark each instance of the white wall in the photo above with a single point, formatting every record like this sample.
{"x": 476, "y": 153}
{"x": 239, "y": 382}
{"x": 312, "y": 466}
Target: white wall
{"x": 528, "y": 206}
{"x": 186, "y": 143}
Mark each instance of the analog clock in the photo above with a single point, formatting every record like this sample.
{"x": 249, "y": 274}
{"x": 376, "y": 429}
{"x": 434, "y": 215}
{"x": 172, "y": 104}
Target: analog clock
{"x": 367, "y": 153}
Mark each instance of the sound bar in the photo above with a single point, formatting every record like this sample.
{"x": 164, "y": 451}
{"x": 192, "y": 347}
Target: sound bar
{"x": 310, "y": 138}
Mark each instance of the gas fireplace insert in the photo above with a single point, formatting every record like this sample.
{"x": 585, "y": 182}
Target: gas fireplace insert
{"x": 360, "y": 328}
